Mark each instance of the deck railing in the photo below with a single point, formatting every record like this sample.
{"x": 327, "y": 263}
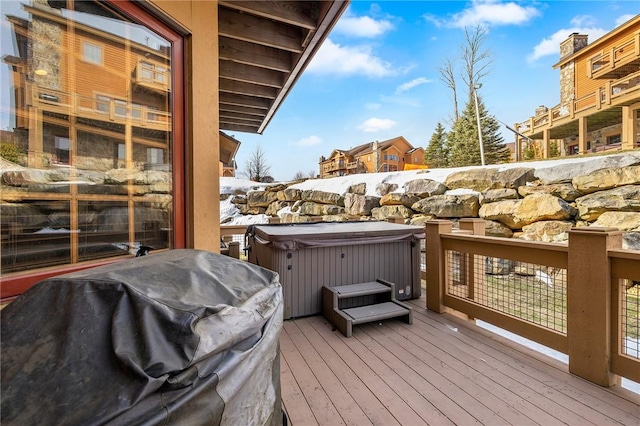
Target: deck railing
{"x": 613, "y": 93}
{"x": 581, "y": 299}
{"x": 619, "y": 55}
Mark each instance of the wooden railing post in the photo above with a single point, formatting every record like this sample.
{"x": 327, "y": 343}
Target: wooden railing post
{"x": 435, "y": 263}
{"x": 475, "y": 264}
{"x": 589, "y": 303}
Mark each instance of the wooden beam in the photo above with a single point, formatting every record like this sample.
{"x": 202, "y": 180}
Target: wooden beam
{"x": 240, "y": 121}
{"x": 242, "y": 100}
{"x": 251, "y": 74}
{"x": 241, "y": 88}
{"x": 240, "y": 115}
{"x": 232, "y": 109}
{"x": 299, "y": 13}
{"x": 254, "y": 54}
{"x": 238, "y": 127}
{"x": 253, "y": 29}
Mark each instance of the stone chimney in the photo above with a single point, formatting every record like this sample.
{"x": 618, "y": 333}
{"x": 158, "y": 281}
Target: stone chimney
{"x": 572, "y": 44}
{"x": 376, "y": 156}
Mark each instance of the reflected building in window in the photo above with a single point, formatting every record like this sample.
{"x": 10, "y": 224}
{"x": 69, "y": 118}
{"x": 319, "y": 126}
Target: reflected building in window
{"x": 88, "y": 95}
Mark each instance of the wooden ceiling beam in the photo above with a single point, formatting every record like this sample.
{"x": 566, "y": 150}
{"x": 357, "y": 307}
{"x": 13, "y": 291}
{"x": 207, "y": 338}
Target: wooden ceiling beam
{"x": 238, "y": 127}
{"x": 256, "y": 55}
{"x": 299, "y": 13}
{"x": 253, "y": 29}
{"x": 242, "y": 100}
{"x": 233, "y": 109}
{"x": 247, "y": 117}
{"x": 238, "y": 120}
{"x": 250, "y": 74}
{"x": 241, "y": 88}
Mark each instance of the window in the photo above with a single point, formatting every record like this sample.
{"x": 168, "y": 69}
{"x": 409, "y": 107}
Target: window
{"x": 100, "y": 217}
{"x": 155, "y": 156}
{"x": 391, "y": 157}
{"x": 614, "y": 139}
{"x": 62, "y": 150}
{"x": 92, "y": 53}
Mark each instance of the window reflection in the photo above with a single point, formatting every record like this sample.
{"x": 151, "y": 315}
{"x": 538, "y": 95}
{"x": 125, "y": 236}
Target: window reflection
{"x": 86, "y": 135}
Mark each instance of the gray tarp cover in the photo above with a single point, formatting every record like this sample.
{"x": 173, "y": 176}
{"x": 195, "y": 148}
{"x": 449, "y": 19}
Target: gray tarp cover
{"x": 182, "y": 337}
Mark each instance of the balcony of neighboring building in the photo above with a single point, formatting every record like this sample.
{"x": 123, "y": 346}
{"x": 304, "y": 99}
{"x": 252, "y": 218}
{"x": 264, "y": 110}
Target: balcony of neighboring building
{"x": 151, "y": 77}
{"x": 101, "y": 108}
{"x": 602, "y": 107}
{"x": 617, "y": 61}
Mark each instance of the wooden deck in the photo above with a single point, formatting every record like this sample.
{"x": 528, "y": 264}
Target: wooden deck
{"x": 439, "y": 370}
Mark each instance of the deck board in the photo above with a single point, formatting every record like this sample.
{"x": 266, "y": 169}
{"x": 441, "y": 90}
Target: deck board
{"x": 439, "y": 371}
{"x": 580, "y": 395}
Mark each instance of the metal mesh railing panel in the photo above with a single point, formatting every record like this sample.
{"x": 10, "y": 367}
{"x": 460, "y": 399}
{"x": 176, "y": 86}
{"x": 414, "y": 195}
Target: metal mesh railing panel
{"x": 531, "y": 292}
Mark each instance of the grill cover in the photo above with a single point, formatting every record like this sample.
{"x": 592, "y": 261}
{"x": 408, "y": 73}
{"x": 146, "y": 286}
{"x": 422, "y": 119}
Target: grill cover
{"x": 180, "y": 337}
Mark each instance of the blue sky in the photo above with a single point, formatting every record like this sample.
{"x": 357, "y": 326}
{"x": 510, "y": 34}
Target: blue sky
{"x": 376, "y": 76}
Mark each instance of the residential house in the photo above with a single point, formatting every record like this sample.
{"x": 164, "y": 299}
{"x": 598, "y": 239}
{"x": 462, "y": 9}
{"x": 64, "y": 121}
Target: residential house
{"x": 599, "y": 105}
{"x": 386, "y": 156}
{"x": 115, "y": 110}
{"x": 228, "y": 149}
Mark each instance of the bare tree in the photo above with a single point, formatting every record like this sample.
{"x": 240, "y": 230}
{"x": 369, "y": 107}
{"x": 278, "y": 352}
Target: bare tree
{"x": 256, "y": 167}
{"x": 447, "y": 75}
{"x": 299, "y": 176}
{"x": 476, "y": 60}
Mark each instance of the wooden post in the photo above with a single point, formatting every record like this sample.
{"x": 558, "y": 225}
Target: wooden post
{"x": 589, "y": 303}
{"x": 582, "y": 135}
{"x": 234, "y": 249}
{"x": 435, "y": 263}
{"x": 475, "y": 269}
{"x": 629, "y": 126}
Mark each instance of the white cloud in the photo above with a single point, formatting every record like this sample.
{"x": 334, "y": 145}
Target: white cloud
{"x": 349, "y": 60}
{"x": 624, "y": 18}
{"x": 376, "y": 124}
{"x": 551, "y": 45}
{"x": 372, "y": 105}
{"x": 362, "y": 26}
{"x": 493, "y": 12}
{"x": 582, "y": 21}
{"x": 308, "y": 141}
{"x": 413, "y": 83}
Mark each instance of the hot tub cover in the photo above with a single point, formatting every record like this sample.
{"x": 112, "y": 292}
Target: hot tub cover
{"x": 180, "y": 337}
{"x": 331, "y": 234}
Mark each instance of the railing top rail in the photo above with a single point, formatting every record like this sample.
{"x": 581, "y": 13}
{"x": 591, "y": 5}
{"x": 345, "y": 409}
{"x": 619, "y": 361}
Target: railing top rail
{"x": 230, "y": 229}
{"x": 624, "y": 254}
{"x": 559, "y": 247}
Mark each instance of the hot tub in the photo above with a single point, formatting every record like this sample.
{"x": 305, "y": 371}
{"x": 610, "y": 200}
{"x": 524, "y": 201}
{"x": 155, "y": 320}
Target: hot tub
{"x": 308, "y": 256}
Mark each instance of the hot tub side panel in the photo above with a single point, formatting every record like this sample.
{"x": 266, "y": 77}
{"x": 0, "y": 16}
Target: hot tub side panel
{"x": 304, "y": 272}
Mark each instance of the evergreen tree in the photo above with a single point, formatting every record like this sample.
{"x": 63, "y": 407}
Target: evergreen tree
{"x": 463, "y": 141}
{"x": 436, "y": 154}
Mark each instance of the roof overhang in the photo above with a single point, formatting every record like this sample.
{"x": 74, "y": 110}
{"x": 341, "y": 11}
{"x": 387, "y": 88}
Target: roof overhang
{"x": 264, "y": 47}
{"x": 228, "y": 148}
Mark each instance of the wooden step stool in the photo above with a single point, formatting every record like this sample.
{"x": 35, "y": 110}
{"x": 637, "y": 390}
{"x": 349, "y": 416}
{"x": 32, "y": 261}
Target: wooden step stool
{"x": 347, "y": 305}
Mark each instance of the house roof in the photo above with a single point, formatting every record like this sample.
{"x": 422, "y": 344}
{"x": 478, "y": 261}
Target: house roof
{"x": 228, "y": 148}
{"x": 263, "y": 48}
{"x": 367, "y": 148}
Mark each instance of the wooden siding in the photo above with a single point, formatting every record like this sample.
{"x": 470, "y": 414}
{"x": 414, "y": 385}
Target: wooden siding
{"x": 440, "y": 370}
